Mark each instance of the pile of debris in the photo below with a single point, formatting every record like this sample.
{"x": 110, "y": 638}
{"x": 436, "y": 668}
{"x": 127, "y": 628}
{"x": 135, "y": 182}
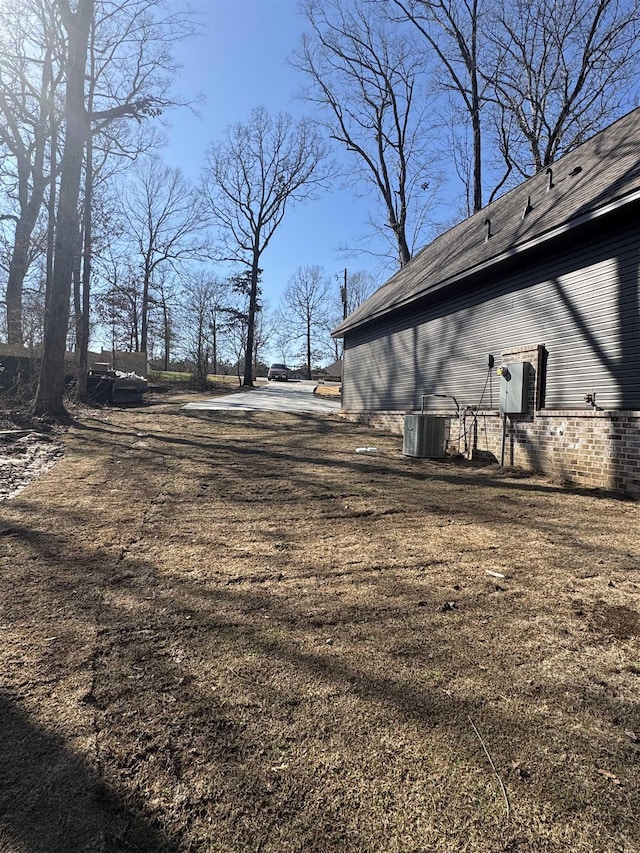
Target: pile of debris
{"x": 105, "y": 385}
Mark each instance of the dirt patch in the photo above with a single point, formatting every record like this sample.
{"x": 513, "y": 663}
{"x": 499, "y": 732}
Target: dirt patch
{"x": 619, "y": 621}
{"x": 234, "y": 633}
{"x": 25, "y": 456}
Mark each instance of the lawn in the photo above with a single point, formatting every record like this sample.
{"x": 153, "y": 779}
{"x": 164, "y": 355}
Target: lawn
{"x": 238, "y": 634}
{"x": 174, "y": 377}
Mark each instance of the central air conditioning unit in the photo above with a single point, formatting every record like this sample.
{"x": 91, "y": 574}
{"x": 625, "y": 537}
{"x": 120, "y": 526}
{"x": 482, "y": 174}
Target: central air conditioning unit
{"x": 424, "y": 436}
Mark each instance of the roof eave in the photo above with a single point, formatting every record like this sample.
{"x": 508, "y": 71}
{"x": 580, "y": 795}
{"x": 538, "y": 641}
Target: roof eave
{"x": 546, "y": 236}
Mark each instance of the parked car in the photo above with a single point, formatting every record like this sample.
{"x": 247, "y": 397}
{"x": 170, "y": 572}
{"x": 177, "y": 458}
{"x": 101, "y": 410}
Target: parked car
{"x": 278, "y": 371}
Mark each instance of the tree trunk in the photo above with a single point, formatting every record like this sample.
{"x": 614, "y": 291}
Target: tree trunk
{"x": 404, "y": 253}
{"x": 76, "y": 280}
{"x": 477, "y": 161}
{"x": 134, "y": 338}
{"x": 17, "y": 272}
{"x": 51, "y": 233}
{"x": 51, "y": 202}
{"x": 251, "y": 322}
{"x": 19, "y": 265}
{"x": 167, "y": 333}
{"x": 146, "y": 286}
{"x": 214, "y": 335}
{"x": 50, "y": 394}
{"x": 82, "y": 341}
{"x": 475, "y": 112}
{"x": 31, "y": 189}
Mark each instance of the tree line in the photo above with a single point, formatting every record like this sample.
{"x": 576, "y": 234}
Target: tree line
{"x": 97, "y": 231}
{"x": 209, "y": 322}
{"x": 490, "y": 90}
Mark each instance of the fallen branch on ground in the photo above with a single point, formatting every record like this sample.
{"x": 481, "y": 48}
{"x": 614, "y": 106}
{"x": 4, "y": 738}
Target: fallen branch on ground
{"x": 493, "y": 767}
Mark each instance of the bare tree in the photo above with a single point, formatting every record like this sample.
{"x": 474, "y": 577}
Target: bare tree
{"x": 49, "y": 396}
{"x": 31, "y": 68}
{"x": 453, "y": 30}
{"x": 119, "y": 306}
{"x": 561, "y": 70}
{"x": 283, "y": 337}
{"x": 204, "y": 297}
{"x": 219, "y": 302}
{"x": 540, "y": 77}
{"x": 134, "y": 67}
{"x": 263, "y": 332}
{"x": 165, "y": 220}
{"x": 132, "y": 89}
{"x": 306, "y": 305}
{"x": 369, "y": 82}
{"x": 360, "y": 285}
{"x": 251, "y": 178}
{"x": 129, "y": 75}
{"x": 234, "y": 333}
{"x": 167, "y": 302}
{"x": 355, "y": 288}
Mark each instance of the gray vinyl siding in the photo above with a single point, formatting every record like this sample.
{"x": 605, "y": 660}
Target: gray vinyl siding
{"x": 581, "y": 304}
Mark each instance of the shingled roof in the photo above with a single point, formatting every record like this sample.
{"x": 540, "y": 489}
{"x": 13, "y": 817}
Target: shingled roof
{"x": 599, "y": 176}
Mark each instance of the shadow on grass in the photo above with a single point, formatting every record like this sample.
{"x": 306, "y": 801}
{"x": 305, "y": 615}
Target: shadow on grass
{"x": 159, "y": 722}
{"x": 136, "y": 675}
{"x": 288, "y": 440}
{"x": 51, "y": 801}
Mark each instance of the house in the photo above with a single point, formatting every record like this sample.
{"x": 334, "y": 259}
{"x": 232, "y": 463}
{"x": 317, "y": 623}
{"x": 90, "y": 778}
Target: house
{"x": 334, "y": 370}
{"x": 547, "y": 277}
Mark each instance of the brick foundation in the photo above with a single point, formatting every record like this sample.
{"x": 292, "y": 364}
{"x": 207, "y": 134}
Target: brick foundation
{"x": 591, "y": 448}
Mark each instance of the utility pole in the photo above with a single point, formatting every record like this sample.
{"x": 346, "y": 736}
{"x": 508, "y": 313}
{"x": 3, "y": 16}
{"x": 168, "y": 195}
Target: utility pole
{"x": 343, "y": 295}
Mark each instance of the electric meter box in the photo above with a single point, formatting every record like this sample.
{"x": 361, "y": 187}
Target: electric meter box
{"x": 514, "y": 389}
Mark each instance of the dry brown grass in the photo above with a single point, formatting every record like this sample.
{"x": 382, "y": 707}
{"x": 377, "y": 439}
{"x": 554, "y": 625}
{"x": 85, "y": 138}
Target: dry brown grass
{"x": 235, "y": 634}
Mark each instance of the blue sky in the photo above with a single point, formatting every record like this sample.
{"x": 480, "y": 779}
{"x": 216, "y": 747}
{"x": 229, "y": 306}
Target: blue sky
{"x": 240, "y": 62}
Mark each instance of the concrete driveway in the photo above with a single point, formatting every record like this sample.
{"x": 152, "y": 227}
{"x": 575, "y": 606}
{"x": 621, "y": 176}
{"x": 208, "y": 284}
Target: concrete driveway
{"x": 294, "y": 396}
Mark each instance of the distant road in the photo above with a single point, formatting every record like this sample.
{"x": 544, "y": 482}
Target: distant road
{"x": 294, "y": 397}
